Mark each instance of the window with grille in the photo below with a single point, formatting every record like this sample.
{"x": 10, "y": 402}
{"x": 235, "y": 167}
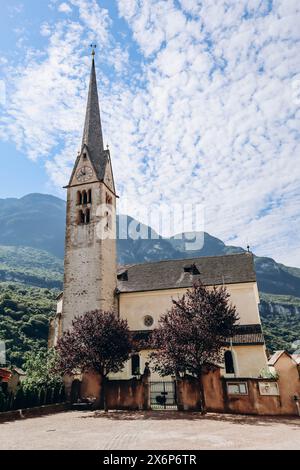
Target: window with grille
{"x": 237, "y": 388}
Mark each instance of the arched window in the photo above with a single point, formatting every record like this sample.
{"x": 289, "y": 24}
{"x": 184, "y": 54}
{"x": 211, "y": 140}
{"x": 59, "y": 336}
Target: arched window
{"x": 79, "y": 198}
{"x": 90, "y": 196}
{"x": 87, "y": 216}
{"x": 84, "y": 197}
{"x": 81, "y": 217}
{"x": 229, "y": 365}
{"x": 135, "y": 364}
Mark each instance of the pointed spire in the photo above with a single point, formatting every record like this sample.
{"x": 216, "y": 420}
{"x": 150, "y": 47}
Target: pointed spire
{"x": 92, "y": 134}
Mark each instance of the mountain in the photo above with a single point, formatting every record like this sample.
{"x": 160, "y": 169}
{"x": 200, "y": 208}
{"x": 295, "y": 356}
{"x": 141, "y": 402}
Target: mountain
{"x": 35, "y": 220}
{"x": 30, "y": 266}
{"x": 31, "y": 271}
{"x": 38, "y": 221}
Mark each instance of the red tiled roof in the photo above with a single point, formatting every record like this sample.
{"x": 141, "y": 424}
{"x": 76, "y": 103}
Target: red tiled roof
{"x": 5, "y": 374}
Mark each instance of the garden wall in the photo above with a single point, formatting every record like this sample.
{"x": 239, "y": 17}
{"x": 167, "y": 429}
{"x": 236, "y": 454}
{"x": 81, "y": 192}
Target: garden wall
{"x": 236, "y": 395}
{"x": 254, "y": 396}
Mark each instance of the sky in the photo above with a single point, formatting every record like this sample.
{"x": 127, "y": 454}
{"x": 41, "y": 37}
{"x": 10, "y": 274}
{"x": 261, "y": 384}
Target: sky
{"x": 199, "y": 103}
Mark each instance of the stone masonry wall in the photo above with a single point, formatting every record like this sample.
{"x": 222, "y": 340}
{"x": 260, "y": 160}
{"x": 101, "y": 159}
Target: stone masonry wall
{"x": 90, "y": 263}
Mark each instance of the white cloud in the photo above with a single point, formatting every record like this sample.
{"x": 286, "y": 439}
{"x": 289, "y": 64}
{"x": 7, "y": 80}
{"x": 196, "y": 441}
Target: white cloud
{"x": 64, "y": 8}
{"x": 212, "y": 115}
{"x": 45, "y": 29}
{"x": 224, "y": 91}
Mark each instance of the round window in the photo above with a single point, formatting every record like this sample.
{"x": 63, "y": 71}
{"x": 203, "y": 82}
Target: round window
{"x": 148, "y": 320}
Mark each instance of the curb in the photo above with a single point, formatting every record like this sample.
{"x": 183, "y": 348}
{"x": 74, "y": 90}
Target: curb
{"x": 33, "y": 412}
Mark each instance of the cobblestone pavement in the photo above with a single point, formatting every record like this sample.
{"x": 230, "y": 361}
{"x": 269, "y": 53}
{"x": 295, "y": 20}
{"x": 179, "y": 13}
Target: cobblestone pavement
{"x": 151, "y": 431}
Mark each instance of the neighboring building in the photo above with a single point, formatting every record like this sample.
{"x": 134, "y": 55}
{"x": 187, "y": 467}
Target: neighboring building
{"x": 142, "y": 292}
{"x": 5, "y": 375}
{"x": 17, "y": 376}
{"x": 11, "y": 378}
{"x": 287, "y": 369}
{"x": 296, "y": 358}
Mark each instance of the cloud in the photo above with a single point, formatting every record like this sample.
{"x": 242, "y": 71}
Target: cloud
{"x": 64, "y": 8}
{"x": 45, "y": 29}
{"x": 220, "y": 91}
{"x": 15, "y": 9}
{"x": 200, "y": 104}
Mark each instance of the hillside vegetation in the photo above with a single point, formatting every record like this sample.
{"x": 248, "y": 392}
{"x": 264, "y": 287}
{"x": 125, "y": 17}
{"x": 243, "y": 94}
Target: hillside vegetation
{"x": 24, "y": 318}
{"x": 29, "y": 266}
{"x": 30, "y": 280}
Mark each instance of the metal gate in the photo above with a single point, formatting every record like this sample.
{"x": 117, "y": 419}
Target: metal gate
{"x": 163, "y": 396}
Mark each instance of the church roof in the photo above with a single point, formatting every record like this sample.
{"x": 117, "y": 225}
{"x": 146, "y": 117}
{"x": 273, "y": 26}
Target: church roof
{"x": 171, "y": 274}
{"x": 247, "y": 334}
{"x": 244, "y": 334}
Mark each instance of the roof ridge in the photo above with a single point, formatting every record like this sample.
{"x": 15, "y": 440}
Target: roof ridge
{"x": 245, "y": 253}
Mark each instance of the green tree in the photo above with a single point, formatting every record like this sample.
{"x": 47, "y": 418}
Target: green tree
{"x": 40, "y": 370}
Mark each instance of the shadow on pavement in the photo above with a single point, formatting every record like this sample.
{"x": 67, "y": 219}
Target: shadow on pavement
{"x": 193, "y": 416}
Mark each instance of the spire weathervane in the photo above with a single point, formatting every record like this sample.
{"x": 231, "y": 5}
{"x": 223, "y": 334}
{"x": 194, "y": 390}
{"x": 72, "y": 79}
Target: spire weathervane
{"x": 93, "y": 47}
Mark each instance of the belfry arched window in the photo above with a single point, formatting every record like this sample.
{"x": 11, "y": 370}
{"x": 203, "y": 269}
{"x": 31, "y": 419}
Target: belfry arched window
{"x": 229, "y": 364}
{"x": 79, "y": 198}
{"x": 87, "y": 216}
{"x": 89, "y": 198}
{"x": 81, "y": 217}
{"x": 84, "y": 197}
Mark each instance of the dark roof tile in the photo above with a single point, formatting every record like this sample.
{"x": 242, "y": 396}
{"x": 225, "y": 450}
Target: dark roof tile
{"x": 214, "y": 270}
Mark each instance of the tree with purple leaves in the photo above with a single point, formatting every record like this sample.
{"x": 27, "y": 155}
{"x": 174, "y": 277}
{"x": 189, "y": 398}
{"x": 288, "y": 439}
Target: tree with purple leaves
{"x": 98, "y": 342}
{"x": 192, "y": 334}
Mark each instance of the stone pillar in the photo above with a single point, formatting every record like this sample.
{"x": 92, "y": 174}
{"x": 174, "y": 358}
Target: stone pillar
{"x": 146, "y": 387}
{"x": 179, "y": 385}
{"x": 68, "y": 380}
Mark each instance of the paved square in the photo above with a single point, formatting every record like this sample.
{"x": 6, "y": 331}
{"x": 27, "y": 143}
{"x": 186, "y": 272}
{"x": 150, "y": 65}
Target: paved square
{"x": 150, "y": 430}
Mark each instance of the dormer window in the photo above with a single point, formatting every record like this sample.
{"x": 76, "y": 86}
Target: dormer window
{"x": 123, "y": 276}
{"x": 192, "y": 269}
{"x": 84, "y": 156}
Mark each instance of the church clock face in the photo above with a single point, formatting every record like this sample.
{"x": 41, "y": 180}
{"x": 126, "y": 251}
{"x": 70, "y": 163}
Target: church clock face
{"x": 84, "y": 174}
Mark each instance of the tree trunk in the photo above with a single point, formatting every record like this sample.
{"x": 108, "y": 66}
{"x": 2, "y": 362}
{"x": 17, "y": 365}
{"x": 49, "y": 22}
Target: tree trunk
{"x": 99, "y": 402}
{"x": 202, "y": 395}
{"x": 178, "y": 385}
{"x": 104, "y": 394}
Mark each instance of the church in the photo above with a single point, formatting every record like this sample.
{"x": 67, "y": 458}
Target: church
{"x": 141, "y": 293}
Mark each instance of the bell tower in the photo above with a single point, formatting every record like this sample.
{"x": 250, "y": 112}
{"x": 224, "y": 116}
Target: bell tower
{"x": 90, "y": 242}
